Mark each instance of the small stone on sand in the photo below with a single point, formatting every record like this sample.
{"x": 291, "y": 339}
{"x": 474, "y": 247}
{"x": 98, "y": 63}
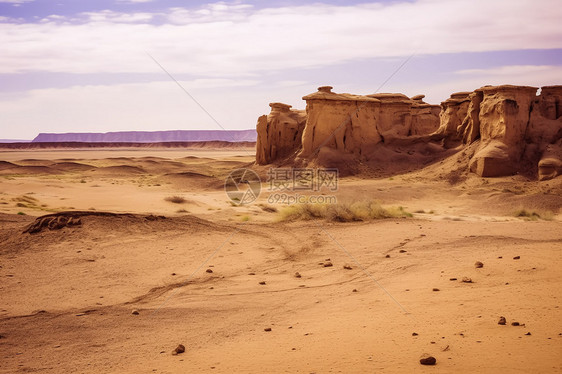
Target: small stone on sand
{"x": 436, "y": 289}
{"x": 466, "y": 280}
{"x": 402, "y": 251}
{"x": 414, "y": 334}
{"x": 267, "y": 329}
{"x": 179, "y": 349}
{"x": 262, "y": 283}
{"x": 516, "y": 257}
{"x": 328, "y": 264}
{"x": 515, "y": 324}
{"x": 502, "y": 321}
{"x": 135, "y": 312}
{"x": 209, "y": 271}
{"x": 387, "y": 256}
{"x": 452, "y": 279}
{"x": 427, "y": 360}
{"x": 478, "y": 264}
{"x": 347, "y": 267}
{"x": 297, "y": 275}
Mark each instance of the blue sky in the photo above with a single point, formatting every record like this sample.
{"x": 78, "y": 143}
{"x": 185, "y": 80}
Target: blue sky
{"x": 76, "y": 65}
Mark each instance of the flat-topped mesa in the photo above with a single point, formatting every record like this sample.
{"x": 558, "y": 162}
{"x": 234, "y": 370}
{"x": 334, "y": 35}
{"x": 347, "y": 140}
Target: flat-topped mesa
{"x": 279, "y": 133}
{"x": 342, "y": 122}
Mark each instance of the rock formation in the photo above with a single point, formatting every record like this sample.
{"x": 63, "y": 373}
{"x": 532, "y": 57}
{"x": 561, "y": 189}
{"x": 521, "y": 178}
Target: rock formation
{"x": 279, "y": 133}
{"x": 510, "y": 126}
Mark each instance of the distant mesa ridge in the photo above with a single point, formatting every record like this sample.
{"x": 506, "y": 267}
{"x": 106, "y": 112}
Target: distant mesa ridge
{"x": 150, "y": 136}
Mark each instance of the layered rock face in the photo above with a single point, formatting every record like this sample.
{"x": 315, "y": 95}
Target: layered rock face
{"x": 343, "y": 122}
{"x": 512, "y": 125}
{"x": 279, "y": 133}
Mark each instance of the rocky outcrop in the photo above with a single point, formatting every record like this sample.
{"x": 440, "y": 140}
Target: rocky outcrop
{"x": 425, "y": 117}
{"x": 510, "y": 126}
{"x": 504, "y": 114}
{"x": 342, "y": 122}
{"x": 279, "y": 133}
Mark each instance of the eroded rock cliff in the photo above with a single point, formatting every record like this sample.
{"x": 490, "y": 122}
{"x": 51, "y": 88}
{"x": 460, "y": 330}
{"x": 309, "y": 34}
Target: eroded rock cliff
{"x": 510, "y": 126}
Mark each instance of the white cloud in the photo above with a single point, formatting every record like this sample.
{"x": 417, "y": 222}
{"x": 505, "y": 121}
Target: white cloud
{"x": 235, "y": 39}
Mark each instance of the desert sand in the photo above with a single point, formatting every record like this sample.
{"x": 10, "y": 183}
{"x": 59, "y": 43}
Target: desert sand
{"x": 136, "y": 274}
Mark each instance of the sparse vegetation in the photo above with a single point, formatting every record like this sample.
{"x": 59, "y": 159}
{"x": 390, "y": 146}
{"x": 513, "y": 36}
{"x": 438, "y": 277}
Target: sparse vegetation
{"x": 245, "y": 218}
{"x": 532, "y": 215}
{"x": 176, "y": 199}
{"x": 342, "y": 212}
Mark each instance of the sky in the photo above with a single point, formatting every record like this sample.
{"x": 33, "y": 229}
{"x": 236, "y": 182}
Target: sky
{"x": 98, "y": 66}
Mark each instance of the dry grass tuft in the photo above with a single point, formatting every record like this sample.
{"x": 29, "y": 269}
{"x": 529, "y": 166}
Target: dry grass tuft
{"x": 532, "y": 215}
{"x": 341, "y": 212}
{"x": 176, "y": 199}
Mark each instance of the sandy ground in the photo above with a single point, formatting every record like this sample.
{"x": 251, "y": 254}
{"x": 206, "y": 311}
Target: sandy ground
{"x": 192, "y": 271}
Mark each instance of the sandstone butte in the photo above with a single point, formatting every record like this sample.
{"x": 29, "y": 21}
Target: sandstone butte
{"x": 502, "y": 130}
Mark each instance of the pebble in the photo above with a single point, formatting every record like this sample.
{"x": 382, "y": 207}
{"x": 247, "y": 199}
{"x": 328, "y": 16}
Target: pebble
{"x": 267, "y": 329}
{"x": 428, "y": 360}
{"x": 179, "y": 349}
{"x": 209, "y": 271}
{"x": 262, "y": 283}
{"x": 414, "y": 334}
{"x": 347, "y": 267}
{"x": 452, "y": 279}
{"x": 515, "y": 324}
{"x": 529, "y": 333}
{"x": 436, "y": 289}
{"x": 478, "y": 264}
{"x": 466, "y": 280}
{"x": 298, "y": 275}
{"x": 135, "y": 312}
{"x": 328, "y": 264}
{"x": 387, "y": 256}
{"x": 402, "y": 251}
{"x": 502, "y": 321}
{"x": 516, "y": 257}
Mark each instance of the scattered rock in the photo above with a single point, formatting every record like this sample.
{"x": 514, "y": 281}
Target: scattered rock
{"x": 298, "y": 275}
{"x": 328, "y": 264}
{"x": 402, "y": 251}
{"x": 516, "y": 257}
{"x": 466, "y": 280}
{"x": 428, "y": 360}
{"x": 436, "y": 289}
{"x": 500, "y": 256}
{"x": 414, "y": 334}
{"x": 209, "y": 271}
{"x": 354, "y": 290}
{"x": 478, "y": 264}
{"x": 445, "y": 349}
{"x": 347, "y": 267}
{"x": 267, "y": 329}
{"x": 452, "y": 279}
{"x": 387, "y": 256}
{"x": 251, "y": 273}
{"x": 262, "y": 283}
{"x": 179, "y": 349}
{"x": 173, "y": 274}
{"x": 529, "y": 333}
{"x": 135, "y": 312}
{"x": 502, "y": 321}
{"x": 515, "y": 324}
